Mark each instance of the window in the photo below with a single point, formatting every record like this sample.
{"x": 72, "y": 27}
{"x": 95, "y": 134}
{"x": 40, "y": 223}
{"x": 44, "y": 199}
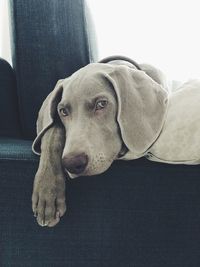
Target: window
{"x": 162, "y": 33}
{"x": 4, "y": 31}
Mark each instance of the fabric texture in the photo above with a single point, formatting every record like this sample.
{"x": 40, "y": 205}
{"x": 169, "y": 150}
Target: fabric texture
{"x": 50, "y": 41}
{"x": 138, "y": 213}
{"x": 9, "y": 114}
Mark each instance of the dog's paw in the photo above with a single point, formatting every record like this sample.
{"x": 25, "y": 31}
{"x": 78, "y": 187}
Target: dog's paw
{"x": 48, "y": 199}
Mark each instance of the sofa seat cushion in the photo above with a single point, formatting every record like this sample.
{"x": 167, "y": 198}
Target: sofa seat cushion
{"x": 16, "y": 149}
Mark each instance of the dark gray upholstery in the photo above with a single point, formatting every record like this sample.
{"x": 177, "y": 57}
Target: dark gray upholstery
{"x": 9, "y": 115}
{"x": 137, "y": 214}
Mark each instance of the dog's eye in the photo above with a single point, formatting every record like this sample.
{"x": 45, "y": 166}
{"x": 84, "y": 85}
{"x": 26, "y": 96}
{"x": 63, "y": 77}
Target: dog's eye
{"x": 64, "y": 112}
{"x": 101, "y": 104}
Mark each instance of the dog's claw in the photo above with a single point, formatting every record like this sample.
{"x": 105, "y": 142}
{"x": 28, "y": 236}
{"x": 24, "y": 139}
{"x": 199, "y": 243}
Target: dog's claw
{"x": 57, "y": 215}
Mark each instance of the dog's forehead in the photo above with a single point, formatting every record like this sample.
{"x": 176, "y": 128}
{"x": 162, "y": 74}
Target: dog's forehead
{"x": 87, "y": 82}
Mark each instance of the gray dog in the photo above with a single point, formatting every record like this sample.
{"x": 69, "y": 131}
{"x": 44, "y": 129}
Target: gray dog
{"x": 112, "y": 110}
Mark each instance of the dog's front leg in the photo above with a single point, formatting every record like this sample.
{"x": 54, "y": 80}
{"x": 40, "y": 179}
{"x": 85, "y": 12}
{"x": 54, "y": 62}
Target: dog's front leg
{"x": 48, "y": 198}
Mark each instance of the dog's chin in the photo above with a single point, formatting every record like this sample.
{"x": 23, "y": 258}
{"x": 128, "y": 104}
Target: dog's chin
{"x": 87, "y": 172}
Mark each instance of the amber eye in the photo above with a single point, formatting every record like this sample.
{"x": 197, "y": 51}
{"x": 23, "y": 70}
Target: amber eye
{"x": 64, "y": 112}
{"x": 101, "y": 104}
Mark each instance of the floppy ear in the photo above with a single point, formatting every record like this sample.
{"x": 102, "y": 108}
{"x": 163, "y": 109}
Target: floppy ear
{"x": 142, "y": 105}
{"x": 47, "y": 115}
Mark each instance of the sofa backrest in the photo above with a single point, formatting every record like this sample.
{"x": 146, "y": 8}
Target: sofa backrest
{"x": 50, "y": 40}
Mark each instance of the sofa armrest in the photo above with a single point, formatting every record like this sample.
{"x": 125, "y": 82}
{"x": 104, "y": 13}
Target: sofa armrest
{"x": 9, "y": 116}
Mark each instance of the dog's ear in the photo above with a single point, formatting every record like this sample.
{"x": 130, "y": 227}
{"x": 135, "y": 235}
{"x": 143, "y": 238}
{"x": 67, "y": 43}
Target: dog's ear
{"x": 142, "y": 105}
{"x": 47, "y": 115}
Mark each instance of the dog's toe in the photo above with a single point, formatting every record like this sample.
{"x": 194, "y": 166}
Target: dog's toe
{"x": 55, "y": 220}
{"x": 60, "y": 209}
{"x": 41, "y": 212}
{"x": 35, "y": 199}
{"x": 50, "y": 211}
{"x": 61, "y": 204}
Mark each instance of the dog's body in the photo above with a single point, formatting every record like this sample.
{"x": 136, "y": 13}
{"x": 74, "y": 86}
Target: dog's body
{"x": 178, "y": 142}
{"x": 115, "y": 111}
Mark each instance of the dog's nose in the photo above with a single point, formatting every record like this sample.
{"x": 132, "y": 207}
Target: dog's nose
{"x": 75, "y": 164}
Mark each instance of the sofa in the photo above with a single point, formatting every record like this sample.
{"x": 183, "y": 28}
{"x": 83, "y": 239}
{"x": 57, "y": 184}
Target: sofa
{"x": 137, "y": 214}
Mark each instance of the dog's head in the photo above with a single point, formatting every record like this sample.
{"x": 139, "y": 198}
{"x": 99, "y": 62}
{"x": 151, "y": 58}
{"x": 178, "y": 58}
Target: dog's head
{"x": 109, "y": 112}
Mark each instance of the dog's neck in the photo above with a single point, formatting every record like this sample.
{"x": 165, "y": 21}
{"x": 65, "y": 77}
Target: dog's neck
{"x": 121, "y": 60}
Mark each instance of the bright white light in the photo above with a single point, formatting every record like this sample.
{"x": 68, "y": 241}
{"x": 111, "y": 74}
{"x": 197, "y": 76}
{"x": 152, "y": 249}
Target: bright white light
{"x": 5, "y": 51}
{"x": 162, "y": 33}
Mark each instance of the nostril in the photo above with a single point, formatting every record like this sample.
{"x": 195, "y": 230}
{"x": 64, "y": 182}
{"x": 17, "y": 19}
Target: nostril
{"x": 75, "y": 163}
